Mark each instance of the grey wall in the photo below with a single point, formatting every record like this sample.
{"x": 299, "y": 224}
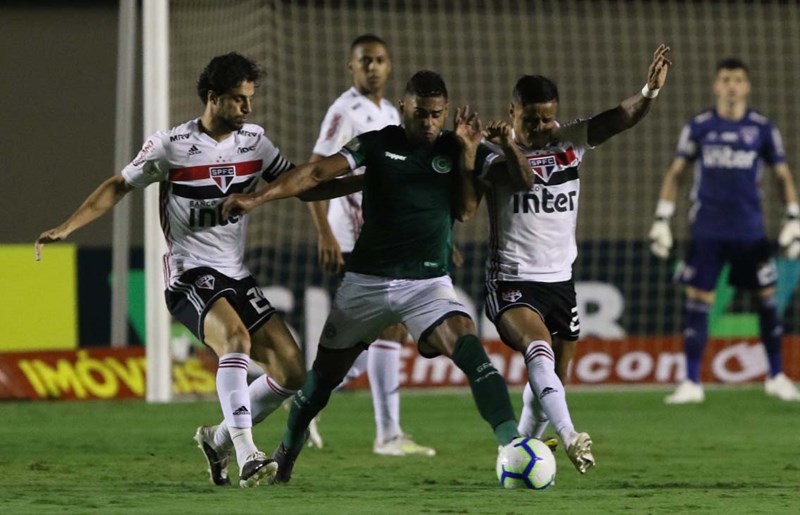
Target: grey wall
{"x": 58, "y": 86}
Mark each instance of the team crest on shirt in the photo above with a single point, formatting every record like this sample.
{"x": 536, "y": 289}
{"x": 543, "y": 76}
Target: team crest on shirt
{"x": 749, "y": 134}
{"x": 441, "y": 164}
{"x": 543, "y": 166}
{"x": 223, "y": 176}
{"x": 511, "y": 295}
{"x": 205, "y": 281}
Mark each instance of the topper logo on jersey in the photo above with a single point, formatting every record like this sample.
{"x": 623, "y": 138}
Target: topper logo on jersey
{"x": 223, "y": 176}
{"x": 544, "y": 166}
{"x": 723, "y": 156}
{"x": 205, "y": 281}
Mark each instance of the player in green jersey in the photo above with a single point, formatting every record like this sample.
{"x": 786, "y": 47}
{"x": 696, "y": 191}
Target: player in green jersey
{"x": 418, "y": 181}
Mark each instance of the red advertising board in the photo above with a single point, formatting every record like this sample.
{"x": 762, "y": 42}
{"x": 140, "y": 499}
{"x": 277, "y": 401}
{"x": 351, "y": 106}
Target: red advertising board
{"x": 624, "y": 361}
{"x": 120, "y": 373}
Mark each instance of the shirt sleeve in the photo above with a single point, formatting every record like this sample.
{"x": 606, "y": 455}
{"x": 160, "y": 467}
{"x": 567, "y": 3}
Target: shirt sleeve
{"x": 273, "y": 161}
{"x": 356, "y": 151}
{"x": 772, "y": 150}
{"x": 335, "y": 131}
{"x": 487, "y": 154}
{"x": 150, "y": 164}
{"x": 575, "y": 132}
{"x": 687, "y": 143}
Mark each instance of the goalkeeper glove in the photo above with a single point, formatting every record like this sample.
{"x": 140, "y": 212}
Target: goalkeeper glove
{"x": 789, "y": 237}
{"x": 660, "y": 234}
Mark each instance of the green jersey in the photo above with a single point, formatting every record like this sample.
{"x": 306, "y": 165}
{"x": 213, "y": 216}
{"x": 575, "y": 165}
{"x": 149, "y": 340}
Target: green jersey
{"x": 407, "y": 204}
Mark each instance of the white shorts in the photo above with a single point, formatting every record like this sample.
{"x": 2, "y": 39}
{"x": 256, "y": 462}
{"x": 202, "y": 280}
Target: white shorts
{"x": 365, "y": 305}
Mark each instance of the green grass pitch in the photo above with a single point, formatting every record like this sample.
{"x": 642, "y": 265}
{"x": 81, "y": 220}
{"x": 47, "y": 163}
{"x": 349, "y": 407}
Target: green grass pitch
{"x": 737, "y": 453}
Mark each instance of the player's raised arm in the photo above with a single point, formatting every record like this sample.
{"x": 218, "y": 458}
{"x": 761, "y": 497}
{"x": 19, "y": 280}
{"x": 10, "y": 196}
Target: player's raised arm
{"x": 632, "y": 109}
{"x": 96, "y": 204}
{"x": 290, "y": 184}
{"x": 469, "y": 134}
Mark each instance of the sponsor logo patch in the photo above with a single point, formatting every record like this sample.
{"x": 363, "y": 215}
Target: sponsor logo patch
{"x": 193, "y": 151}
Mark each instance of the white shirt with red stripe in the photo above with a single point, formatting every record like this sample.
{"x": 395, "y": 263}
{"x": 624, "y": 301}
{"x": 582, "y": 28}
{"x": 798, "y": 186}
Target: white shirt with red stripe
{"x": 532, "y": 233}
{"x": 196, "y": 173}
{"x": 350, "y": 115}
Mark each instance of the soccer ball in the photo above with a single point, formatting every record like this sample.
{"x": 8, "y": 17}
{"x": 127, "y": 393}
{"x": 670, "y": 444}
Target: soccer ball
{"x": 526, "y": 463}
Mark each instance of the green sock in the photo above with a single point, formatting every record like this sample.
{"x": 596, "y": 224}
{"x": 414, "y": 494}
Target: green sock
{"x": 307, "y": 402}
{"x": 488, "y": 387}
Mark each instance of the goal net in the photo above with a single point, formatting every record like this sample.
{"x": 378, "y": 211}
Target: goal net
{"x": 597, "y": 52}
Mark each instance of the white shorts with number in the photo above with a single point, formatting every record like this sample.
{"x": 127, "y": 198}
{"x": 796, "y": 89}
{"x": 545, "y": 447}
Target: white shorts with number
{"x": 365, "y": 305}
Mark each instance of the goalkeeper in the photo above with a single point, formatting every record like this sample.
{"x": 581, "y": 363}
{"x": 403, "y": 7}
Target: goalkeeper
{"x": 728, "y": 143}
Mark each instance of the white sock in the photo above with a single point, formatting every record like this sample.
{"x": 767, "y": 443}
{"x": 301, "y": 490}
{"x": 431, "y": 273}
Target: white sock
{"x": 266, "y": 395}
{"x": 532, "y": 421}
{"x": 547, "y": 387}
{"x": 383, "y": 368}
{"x": 235, "y": 401}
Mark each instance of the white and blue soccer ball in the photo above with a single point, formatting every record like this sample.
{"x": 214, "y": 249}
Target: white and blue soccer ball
{"x": 526, "y": 463}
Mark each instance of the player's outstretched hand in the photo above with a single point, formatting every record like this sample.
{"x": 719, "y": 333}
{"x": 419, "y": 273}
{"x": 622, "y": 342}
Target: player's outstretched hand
{"x": 657, "y": 73}
{"x": 53, "y": 235}
{"x": 500, "y": 132}
{"x": 468, "y": 127}
{"x": 237, "y": 204}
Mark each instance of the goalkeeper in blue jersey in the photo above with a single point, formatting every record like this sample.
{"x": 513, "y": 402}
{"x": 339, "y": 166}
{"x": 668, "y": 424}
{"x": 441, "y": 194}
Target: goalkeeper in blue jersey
{"x": 728, "y": 144}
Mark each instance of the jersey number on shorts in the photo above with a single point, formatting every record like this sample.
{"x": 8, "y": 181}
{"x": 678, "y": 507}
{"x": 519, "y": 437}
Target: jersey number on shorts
{"x": 257, "y": 300}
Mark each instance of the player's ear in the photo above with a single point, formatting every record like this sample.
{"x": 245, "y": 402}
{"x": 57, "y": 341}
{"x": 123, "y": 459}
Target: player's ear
{"x": 401, "y": 105}
{"x": 511, "y": 110}
{"x": 211, "y": 97}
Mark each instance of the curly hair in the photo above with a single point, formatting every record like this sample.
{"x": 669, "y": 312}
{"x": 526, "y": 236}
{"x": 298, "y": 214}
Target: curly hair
{"x": 225, "y": 72}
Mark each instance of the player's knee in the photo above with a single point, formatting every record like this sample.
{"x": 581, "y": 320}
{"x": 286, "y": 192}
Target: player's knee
{"x": 239, "y": 340}
{"x": 395, "y": 333}
{"x": 295, "y": 375}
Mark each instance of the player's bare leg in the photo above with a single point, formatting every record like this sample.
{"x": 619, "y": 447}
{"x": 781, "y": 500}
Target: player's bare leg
{"x": 524, "y": 330}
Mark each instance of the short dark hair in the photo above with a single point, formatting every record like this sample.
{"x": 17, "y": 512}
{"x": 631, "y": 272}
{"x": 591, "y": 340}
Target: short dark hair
{"x": 534, "y": 89}
{"x": 225, "y": 72}
{"x": 426, "y": 83}
{"x": 365, "y": 39}
{"x": 732, "y": 63}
